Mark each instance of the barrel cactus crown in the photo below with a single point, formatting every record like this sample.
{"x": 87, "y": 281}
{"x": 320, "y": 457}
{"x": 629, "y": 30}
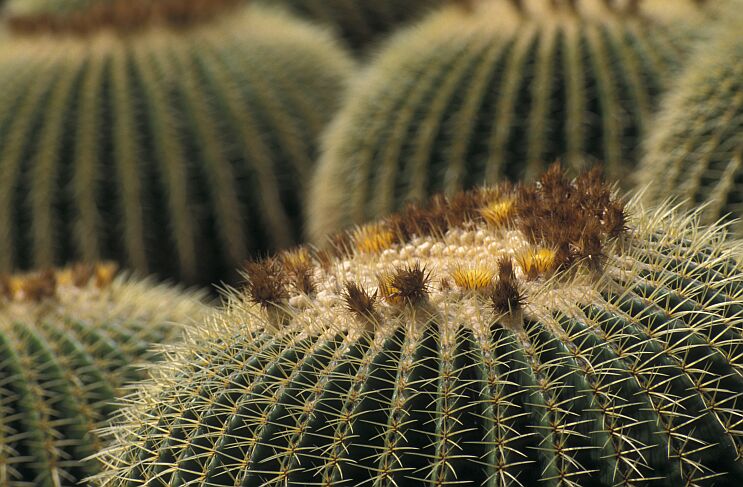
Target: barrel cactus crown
{"x": 696, "y": 147}
{"x": 70, "y": 340}
{"x": 360, "y": 21}
{"x": 543, "y": 335}
{"x": 28, "y": 8}
{"x": 82, "y": 16}
{"x": 489, "y": 92}
{"x": 176, "y": 151}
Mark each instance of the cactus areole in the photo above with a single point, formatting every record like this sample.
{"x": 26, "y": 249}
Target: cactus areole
{"x": 536, "y": 335}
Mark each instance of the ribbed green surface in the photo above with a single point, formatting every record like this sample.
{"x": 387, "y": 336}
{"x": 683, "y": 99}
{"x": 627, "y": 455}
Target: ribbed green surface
{"x": 636, "y": 380}
{"x": 696, "y": 147}
{"x": 467, "y": 98}
{"x": 63, "y": 363}
{"x": 176, "y": 153}
{"x": 360, "y": 21}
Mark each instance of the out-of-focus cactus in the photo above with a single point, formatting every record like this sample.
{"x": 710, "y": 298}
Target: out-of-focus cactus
{"x": 70, "y": 340}
{"x": 497, "y": 91}
{"x": 695, "y": 151}
{"x": 175, "y": 137}
{"x": 547, "y": 335}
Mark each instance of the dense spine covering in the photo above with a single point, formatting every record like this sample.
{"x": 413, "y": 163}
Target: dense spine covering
{"x": 544, "y": 335}
{"x": 696, "y": 146}
{"x": 360, "y": 22}
{"x": 175, "y": 152}
{"x": 70, "y": 341}
{"x": 496, "y": 91}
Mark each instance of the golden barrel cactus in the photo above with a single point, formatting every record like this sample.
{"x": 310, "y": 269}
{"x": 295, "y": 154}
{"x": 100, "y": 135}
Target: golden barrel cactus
{"x": 71, "y": 341}
{"x": 543, "y": 335}
{"x": 495, "y": 92}
{"x": 175, "y": 137}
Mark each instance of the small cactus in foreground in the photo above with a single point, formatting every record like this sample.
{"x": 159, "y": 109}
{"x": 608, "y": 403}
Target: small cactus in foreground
{"x": 70, "y": 340}
{"x": 360, "y": 21}
{"x": 495, "y": 92}
{"x": 696, "y": 147}
{"x": 172, "y": 136}
{"x": 542, "y": 335}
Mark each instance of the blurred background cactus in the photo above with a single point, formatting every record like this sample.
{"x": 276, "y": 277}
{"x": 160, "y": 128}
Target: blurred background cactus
{"x": 360, "y": 22}
{"x": 494, "y": 90}
{"x": 696, "y": 145}
{"x": 545, "y": 335}
{"x": 70, "y": 341}
{"x": 177, "y": 151}
{"x": 23, "y": 8}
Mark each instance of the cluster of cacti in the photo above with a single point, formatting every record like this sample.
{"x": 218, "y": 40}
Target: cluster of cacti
{"x": 540, "y": 335}
{"x": 360, "y": 21}
{"x": 696, "y": 147}
{"x": 174, "y": 151}
{"x": 497, "y": 90}
{"x": 70, "y": 340}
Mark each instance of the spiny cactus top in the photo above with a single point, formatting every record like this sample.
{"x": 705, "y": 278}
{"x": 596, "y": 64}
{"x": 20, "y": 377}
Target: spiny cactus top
{"x": 696, "y": 147}
{"x": 176, "y": 151}
{"x": 360, "y": 21}
{"x": 539, "y": 336}
{"x": 492, "y": 92}
{"x": 69, "y": 341}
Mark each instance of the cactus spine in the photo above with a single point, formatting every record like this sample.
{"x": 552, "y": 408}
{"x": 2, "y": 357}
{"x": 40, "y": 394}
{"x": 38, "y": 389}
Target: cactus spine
{"x": 492, "y": 92}
{"x": 70, "y": 340}
{"x": 360, "y": 21}
{"x": 529, "y": 336}
{"x": 176, "y": 152}
{"x": 696, "y": 147}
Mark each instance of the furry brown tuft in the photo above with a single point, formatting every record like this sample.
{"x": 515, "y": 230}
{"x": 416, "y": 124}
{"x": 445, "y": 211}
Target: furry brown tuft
{"x": 359, "y": 301}
{"x": 123, "y": 16}
{"x": 299, "y": 267}
{"x": 574, "y": 218}
{"x": 267, "y": 281}
{"x": 406, "y": 285}
{"x": 506, "y": 296}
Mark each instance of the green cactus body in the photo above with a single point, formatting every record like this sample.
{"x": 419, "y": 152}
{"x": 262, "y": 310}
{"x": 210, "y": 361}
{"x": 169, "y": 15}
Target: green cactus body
{"x": 360, "y": 21}
{"x": 494, "y": 92}
{"x": 444, "y": 346}
{"x": 70, "y": 342}
{"x": 696, "y": 147}
{"x": 176, "y": 152}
